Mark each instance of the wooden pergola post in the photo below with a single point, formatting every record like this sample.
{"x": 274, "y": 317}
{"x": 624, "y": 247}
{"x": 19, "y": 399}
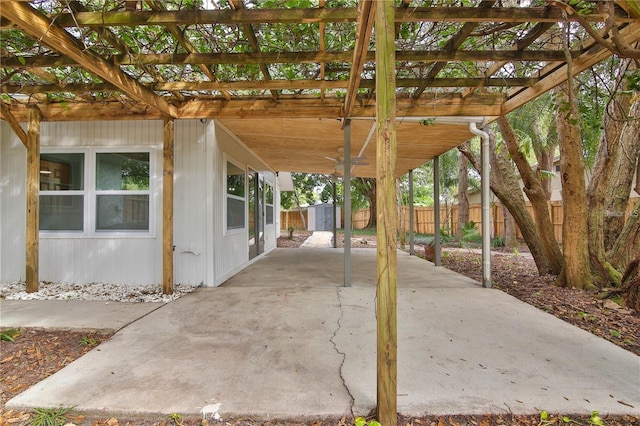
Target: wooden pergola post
{"x": 167, "y": 207}
{"x": 387, "y": 347}
{"x": 33, "y": 201}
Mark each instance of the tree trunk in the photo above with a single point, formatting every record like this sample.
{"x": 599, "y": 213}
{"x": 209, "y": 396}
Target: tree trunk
{"x": 538, "y": 196}
{"x": 545, "y": 152}
{"x": 510, "y": 235}
{"x": 604, "y": 227}
{"x": 627, "y": 246}
{"x": 621, "y": 182}
{"x": 463, "y": 193}
{"x": 367, "y": 187}
{"x": 577, "y": 270}
{"x": 504, "y": 184}
{"x": 630, "y": 287}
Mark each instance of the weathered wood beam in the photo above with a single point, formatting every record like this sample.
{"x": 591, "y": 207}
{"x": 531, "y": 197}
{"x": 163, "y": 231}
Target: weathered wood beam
{"x": 300, "y": 107}
{"x": 315, "y": 15}
{"x": 598, "y": 53}
{"x": 454, "y": 44}
{"x": 269, "y": 85}
{"x": 167, "y": 206}
{"x": 41, "y": 28}
{"x": 387, "y": 263}
{"x": 17, "y": 129}
{"x": 364, "y": 27}
{"x": 322, "y": 30}
{"x": 107, "y": 35}
{"x": 253, "y": 40}
{"x": 535, "y": 33}
{"x": 178, "y": 34}
{"x": 292, "y": 57}
{"x": 33, "y": 202}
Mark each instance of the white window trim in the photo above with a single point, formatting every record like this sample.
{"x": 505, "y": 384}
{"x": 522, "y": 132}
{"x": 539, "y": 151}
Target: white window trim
{"x": 267, "y": 204}
{"x": 90, "y": 193}
{"x": 226, "y": 231}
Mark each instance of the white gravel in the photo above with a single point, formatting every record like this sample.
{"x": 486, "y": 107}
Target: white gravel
{"x": 93, "y": 291}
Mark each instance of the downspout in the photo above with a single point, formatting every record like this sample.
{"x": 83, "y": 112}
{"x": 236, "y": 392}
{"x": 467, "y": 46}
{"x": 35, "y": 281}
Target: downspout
{"x": 486, "y": 217}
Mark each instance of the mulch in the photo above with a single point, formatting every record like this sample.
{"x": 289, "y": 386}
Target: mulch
{"x": 35, "y": 354}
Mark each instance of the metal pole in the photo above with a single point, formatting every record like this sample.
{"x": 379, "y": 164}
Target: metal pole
{"x": 436, "y": 210}
{"x": 347, "y": 204}
{"x": 486, "y": 213}
{"x": 412, "y": 250}
{"x": 335, "y": 214}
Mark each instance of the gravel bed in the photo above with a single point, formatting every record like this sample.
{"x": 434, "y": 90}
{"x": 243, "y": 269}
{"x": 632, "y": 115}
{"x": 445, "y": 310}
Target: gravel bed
{"x": 92, "y": 291}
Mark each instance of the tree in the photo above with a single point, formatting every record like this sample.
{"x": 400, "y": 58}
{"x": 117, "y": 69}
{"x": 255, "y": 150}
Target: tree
{"x": 613, "y": 239}
{"x": 576, "y": 271}
{"x": 367, "y": 188}
{"x": 537, "y": 194}
{"x": 463, "y": 193}
{"x": 504, "y": 184}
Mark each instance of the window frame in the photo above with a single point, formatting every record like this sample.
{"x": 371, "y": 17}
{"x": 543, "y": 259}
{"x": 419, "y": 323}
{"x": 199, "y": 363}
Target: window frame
{"x": 271, "y": 187}
{"x": 90, "y": 192}
{"x": 238, "y": 230}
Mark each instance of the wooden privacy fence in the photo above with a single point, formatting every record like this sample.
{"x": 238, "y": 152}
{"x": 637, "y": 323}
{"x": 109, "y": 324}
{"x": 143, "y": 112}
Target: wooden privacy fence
{"x": 424, "y": 218}
{"x": 293, "y": 219}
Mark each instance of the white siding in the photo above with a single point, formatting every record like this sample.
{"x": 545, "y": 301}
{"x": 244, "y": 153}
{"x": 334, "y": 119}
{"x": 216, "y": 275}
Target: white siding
{"x": 126, "y": 259}
{"x": 231, "y": 252}
{"x": 204, "y": 253}
{"x": 193, "y": 220}
{"x": 13, "y": 175}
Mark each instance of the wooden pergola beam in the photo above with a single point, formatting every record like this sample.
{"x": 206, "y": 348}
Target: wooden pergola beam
{"x": 310, "y": 107}
{"x": 364, "y": 27}
{"x": 253, "y": 40}
{"x": 558, "y": 75}
{"x": 316, "y": 15}
{"x": 15, "y": 126}
{"x": 454, "y": 44}
{"x": 41, "y": 28}
{"x": 536, "y": 32}
{"x": 107, "y": 35}
{"x": 422, "y": 56}
{"x": 269, "y": 85}
{"x": 178, "y": 34}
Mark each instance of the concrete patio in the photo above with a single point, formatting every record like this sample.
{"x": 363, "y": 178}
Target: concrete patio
{"x": 284, "y": 339}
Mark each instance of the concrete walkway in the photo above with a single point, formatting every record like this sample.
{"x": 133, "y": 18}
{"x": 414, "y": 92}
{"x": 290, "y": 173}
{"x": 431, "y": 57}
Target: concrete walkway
{"x": 283, "y": 339}
{"x": 319, "y": 239}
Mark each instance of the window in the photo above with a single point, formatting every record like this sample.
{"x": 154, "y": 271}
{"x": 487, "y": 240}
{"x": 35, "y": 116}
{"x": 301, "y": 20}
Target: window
{"x": 62, "y": 192}
{"x": 122, "y": 191}
{"x": 95, "y": 191}
{"x": 269, "y": 203}
{"x": 235, "y": 196}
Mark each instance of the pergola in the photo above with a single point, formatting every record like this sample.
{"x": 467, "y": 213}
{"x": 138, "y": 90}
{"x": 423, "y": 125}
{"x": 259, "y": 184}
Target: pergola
{"x": 289, "y": 77}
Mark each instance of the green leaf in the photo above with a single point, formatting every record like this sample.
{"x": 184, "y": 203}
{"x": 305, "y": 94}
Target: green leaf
{"x": 544, "y": 415}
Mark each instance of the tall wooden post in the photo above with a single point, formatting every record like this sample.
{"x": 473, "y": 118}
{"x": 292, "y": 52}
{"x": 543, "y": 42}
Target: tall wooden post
{"x": 33, "y": 201}
{"x": 387, "y": 215}
{"x": 167, "y": 208}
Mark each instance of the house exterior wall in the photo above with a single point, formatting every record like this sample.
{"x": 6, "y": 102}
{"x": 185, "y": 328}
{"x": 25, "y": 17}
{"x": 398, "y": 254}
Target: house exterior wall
{"x": 231, "y": 247}
{"x": 13, "y": 175}
{"x": 204, "y": 253}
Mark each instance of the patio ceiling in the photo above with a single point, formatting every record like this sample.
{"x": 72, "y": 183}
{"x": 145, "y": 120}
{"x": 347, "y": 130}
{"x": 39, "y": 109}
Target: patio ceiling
{"x": 283, "y": 75}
